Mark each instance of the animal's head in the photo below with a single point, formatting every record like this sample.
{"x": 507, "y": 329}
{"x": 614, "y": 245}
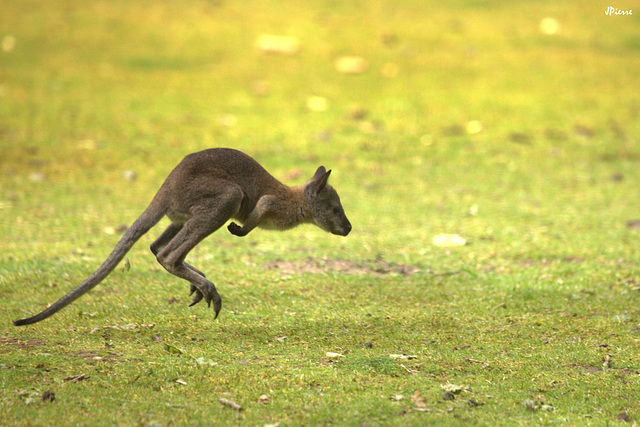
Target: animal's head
{"x": 328, "y": 213}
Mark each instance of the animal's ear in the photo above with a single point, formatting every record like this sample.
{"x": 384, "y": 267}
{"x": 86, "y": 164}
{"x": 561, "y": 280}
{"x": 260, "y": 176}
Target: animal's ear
{"x": 319, "y": 180}
{"x": 321, "y": 171}
{"x": 323, "y": 180}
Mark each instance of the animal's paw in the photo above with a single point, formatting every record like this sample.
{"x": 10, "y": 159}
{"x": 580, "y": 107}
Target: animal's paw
{"x": 206, "y": 291}
{"x": 235, "y": 229}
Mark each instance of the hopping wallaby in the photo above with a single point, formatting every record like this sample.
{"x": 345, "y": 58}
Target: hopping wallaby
{"x": 199, "y": 196}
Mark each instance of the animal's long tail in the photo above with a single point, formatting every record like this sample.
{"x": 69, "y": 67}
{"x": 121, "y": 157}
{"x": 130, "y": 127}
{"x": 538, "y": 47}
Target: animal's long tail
{"x": 150, "y": 217}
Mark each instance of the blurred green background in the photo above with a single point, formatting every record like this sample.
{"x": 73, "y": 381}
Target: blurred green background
{"x": 510, "y": 109}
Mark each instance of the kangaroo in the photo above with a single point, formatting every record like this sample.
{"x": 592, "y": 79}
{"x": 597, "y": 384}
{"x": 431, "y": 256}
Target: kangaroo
{"x": 199, "y": 196}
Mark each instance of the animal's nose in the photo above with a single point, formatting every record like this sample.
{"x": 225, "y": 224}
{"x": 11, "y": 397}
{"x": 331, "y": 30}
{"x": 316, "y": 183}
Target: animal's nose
{"x": 347, "y": 229}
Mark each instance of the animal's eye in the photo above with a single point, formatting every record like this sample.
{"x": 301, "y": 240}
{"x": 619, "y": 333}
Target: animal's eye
{"x": 336, "y": 210}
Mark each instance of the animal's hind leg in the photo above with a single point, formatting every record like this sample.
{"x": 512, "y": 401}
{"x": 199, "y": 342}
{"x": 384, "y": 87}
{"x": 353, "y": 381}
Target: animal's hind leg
{"x": 162, "y": 241}
{"x": 210, "y": 215}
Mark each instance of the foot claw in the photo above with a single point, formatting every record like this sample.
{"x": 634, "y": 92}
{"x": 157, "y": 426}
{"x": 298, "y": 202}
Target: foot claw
{"x": 217, "y": 305}
{"x": 196, "y": 299}
{"x": 207, "y": 292}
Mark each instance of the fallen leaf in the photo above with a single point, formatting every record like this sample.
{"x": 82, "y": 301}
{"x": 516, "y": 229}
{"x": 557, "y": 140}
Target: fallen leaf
{"x": 454, "y": 388}
{"x": 397, "y": 397}
{"x": 549, "y": 26}
{"x": 87, "y": 144}
{"x": 403, "y": 356}
{"x": 317, "y": 103}
{"x": 123, "y": 327}
{"x": 37, "y": 177}
{"x": 537, "y": 405}
{"x": 622, "y": 317}
{"x": 334, "y": 355}
{"x": 474, "y": 127}
{"x": 173, "y": 349}
{"x": 263, "y": 398}
{"x": 547, "y": 407}
{"x": 351, "y": 65}
{"x": 270, "y": 43}
{"x": 418, "y": 400}
{"x": 181, "y": 381}
{"x": 129, "y": 175}
{"x": 205, "y": 361}
{"x": 484, "y": 364}
{"x": 448, "y": 240}
{"x": 230, "y": 403}
{"x": 29, "y": 397}
{"x": 88, "y": 313}
{"x": 8, "y": 43}
{"x": 280, "y": 339}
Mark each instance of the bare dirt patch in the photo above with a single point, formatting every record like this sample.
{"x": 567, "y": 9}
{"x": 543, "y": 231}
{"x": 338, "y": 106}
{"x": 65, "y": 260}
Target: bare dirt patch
{"x": 20, "y": 343}
{"x": 378, "y": 266}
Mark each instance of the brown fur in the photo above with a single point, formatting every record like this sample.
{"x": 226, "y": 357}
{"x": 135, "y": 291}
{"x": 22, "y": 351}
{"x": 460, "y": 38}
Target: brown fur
{"x": 199, "y": 196}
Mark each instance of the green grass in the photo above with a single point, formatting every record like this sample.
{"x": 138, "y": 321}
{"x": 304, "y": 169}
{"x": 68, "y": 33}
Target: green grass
{"x": 540, "y": 306}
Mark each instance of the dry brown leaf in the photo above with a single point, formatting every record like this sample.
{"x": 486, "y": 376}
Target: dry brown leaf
{"x": 230, "y": 404}
{"x": 418, "y": 400}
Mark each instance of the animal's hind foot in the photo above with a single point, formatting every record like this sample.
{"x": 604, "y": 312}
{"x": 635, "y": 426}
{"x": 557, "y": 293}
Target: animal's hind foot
{"x": 206, "y": 291}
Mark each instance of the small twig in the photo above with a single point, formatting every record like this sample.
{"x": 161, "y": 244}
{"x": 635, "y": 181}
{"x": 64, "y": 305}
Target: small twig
{"x": 75, "y": 378}
{"x": 484, "y": 364}
{"x": 109, "y": 385}
{"x": 230, "y": 403}
{"x": 412, "y": 372}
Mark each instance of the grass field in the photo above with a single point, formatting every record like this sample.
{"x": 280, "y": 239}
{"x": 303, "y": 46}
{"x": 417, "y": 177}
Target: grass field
{"x": 519, "y": 143}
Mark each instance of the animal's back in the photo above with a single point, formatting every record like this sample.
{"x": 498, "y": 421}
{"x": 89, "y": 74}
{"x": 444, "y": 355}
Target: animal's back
{"x": 229, "y": 164}
{"x": 210, "y": 171}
